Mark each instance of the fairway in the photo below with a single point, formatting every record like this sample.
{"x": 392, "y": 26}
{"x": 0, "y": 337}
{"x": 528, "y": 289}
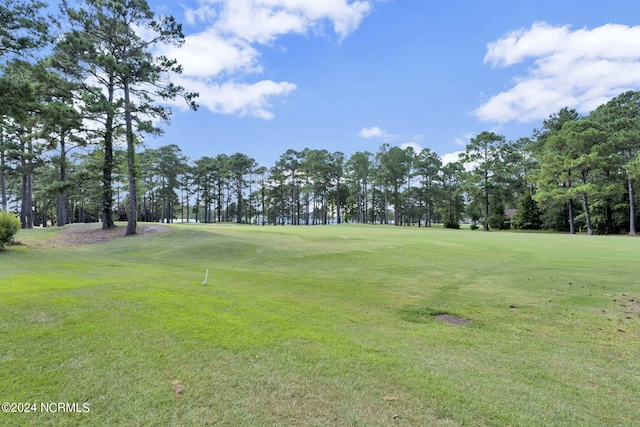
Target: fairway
{"x": 322, "y": 326}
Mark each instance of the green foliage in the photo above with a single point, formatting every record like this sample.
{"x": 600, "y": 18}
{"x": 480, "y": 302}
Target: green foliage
{"x": 117, "y": 43}
{"x": 497, "y": 219}
{"x": 555, "y": 217}
{"x": 633, "y": 167}
{"x": 9, "y": 226}
{"x": 528, "y": 215}
{"x": 621, "y": 119}
{"x": 588, "y": 164}
{"x": 22, "y": 27}
{"x": 452, "y": 199}
{"x": 393, "y": 172}
{"x": 452, "y": 224}
{"x": 493, "y": 176}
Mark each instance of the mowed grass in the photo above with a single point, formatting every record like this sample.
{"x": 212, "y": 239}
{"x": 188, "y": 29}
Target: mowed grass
{"x": 322, "y": 326}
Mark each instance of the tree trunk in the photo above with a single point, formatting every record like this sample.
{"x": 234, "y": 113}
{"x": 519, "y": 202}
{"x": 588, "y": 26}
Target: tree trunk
{"x": 307, "y": 209}
{"x": 26, "y": 209}
{"x": 3, "y": 182}
{"x": 262, "y": 200}
{"x": 63, "y": 205}
{"x": 373, "y": 206}
{"x": 632, "y": 207}
{"x": 587, "y": 215}
{"x": 396, "y": 216}
{"x": 365, "y": 202}
{"x": 132, "y": 214}
{"x": 107, "y": 166}
{"x": 239, "y": 213}
{"x": 3, "y": 172}
{"x": 450, "y": 211}
{"x": 63, "y": 211}
{"x": 197, "y": 206}
{"x": 572, "y": 222}
{"x": 325, "y": 211}
{"x": 298, "y": 205}
{"x": 386, "y": 209}
{"x": 315, "y": 203}
{"x": 219, "y": 202}
{"x": 338, "y": 221}
{"x": 486, "y": 204}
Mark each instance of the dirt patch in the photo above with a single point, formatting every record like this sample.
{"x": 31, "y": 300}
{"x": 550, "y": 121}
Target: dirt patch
{"x": 177, "y": 386}
{"x": 419, "y": 313}
{"x": 89, "y": 234}
{"x": 455, "y": 320}
{"x": 630, "y": 305}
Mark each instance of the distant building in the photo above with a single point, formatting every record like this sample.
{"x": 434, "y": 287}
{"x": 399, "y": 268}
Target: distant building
{"x": 510, "y": 214}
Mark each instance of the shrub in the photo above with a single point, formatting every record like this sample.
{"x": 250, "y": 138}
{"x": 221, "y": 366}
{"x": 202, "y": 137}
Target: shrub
{"x": 9, "y": 226}
{"x": 452, "y": 224}
{"x": 473, "y": 227}
{"x": 498, "y": 221}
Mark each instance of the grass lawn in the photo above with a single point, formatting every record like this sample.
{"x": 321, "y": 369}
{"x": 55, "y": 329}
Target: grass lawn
{"x": 321, "y": 326}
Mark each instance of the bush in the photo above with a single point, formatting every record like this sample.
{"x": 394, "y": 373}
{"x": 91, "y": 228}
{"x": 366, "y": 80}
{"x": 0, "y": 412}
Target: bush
{"x": 9, "y": 226}
{"x": 473, "y": 227}
{"x": 452, "y": 224}
{"x": 528, "y": 215}
{"x": 498, "y": 221}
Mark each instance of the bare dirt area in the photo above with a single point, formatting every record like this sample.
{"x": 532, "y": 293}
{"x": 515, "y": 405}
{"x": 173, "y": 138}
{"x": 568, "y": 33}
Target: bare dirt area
{"x": 455, "y": 320}
{"x": 88, "y": 234}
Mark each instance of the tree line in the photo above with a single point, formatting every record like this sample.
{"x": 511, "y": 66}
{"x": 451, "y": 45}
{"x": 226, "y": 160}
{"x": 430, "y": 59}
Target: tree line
{"x": 72, "y": 125}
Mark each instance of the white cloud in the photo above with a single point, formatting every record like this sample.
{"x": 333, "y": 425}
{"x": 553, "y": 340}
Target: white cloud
{"x": 450, "y": 157}
{"x": 255, "y": 22}
{"x": 579, "y": 69}
{"x": 241, "y": 98}
{"x": 207, "y": 54}
{"x": 416, "y": 147}
{"x": 414, "y": 143}
{"x": 372, "y": 132}
{"x": 263, "y": 20}
{"x": 462, "y": 141}
{"x": 459, "y": 142}
{"x": 204, "y": 13}
{"x": 376, "y": 132}
{"x": 227, "y": 50}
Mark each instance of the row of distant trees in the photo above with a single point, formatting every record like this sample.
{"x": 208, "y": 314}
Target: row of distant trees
{"x": 573, "y": 174}
{"x": 65, "y": 117}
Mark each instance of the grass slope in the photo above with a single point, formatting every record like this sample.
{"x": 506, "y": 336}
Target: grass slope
{"x": 322, "y": 326}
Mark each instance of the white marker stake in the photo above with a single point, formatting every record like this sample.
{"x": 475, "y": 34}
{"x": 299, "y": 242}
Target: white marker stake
{"x": 205, "y": 277}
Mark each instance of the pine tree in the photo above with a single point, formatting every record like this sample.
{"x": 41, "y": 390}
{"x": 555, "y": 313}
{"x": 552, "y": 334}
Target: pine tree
{"x": 528, "y": 215}
{"x": 107, "y": 43}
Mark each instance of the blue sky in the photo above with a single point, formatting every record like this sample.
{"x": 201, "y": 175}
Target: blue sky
{"x": 347, "y": 75}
